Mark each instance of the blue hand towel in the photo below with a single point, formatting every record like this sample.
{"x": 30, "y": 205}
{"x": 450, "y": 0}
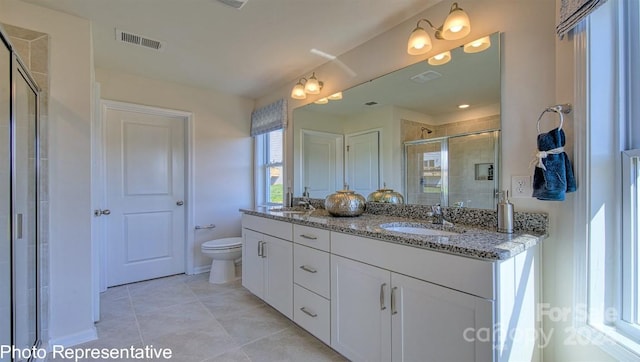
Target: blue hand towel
{"x": 553, "y": 176}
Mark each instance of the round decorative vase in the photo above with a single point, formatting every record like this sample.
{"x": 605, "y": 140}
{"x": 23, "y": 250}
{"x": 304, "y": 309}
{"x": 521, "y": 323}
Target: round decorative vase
{"x": 386, "y": 196}
{"x": 345, "y": 203}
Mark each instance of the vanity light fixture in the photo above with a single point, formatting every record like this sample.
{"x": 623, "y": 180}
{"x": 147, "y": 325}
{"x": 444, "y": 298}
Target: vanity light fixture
{"x": 456, "y": 26}
{"x": 324, "y": 100}
{"x": 306, "y": 86}
{"x": 478, "y": 45}
{"x": 442, "y": 58}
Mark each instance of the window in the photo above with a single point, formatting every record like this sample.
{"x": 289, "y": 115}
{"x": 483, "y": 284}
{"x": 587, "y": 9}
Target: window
{"x": 611, "y": 178}
{"x": 269, "y": 170}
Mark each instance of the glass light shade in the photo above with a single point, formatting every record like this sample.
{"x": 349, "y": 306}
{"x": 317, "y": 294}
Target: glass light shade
{"x": 442, "y": 58}
{"x": 298, "y": 92}
{"x": 335, "y": 96}
{"x": 457, "y": 25}
{"x": 322, "y": 101}
{"x": 478, "y": 45}
{"x": 419, "y": 42}
{"x": 312, "y": 86}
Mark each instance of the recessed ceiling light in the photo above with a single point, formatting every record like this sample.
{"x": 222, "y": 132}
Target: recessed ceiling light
{"x": 463, "y": 106}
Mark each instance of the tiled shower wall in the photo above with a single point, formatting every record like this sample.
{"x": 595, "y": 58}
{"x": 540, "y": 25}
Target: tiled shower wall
{"x": 33, "y": 49}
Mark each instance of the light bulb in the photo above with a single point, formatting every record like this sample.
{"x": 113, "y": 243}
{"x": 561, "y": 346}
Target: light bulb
{"x": 478, "y": 45}
{"x": 419, "y": 42}
{"x": 335, "y": 96}
{"x": 457, "y": 24}
{"x": 440, "y": 59}
{"x": 312, "y": 86}
{"x": 298, "y": 91}
{"x": 322, "y": 101}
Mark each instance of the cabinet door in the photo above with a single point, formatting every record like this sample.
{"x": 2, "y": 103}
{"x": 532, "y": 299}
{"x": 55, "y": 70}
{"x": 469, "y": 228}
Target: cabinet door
{"x": 433, "y": 323}
{"x": 360, "y": 321}
{"x": 278, "y": 274}
{"x": 252, "y": 274}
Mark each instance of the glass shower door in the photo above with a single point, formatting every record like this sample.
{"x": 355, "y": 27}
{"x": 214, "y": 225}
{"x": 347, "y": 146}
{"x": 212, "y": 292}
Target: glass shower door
{"x": 25, "y": 196}
{"x": 426, "y": 172}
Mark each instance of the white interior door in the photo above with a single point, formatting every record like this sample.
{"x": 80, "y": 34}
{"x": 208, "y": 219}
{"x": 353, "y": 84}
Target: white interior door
{"x": 145, "y": 174}
{"x": 322, "y": 163}
{"x": 363, "y": 162}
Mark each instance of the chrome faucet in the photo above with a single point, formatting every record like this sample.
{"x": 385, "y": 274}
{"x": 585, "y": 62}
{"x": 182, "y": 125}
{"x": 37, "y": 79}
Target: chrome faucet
{"x": 306, "y": 202}
{"x": 439, "y": 219}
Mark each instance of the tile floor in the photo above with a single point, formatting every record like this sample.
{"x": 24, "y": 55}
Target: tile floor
{"x": 202, "y": 322}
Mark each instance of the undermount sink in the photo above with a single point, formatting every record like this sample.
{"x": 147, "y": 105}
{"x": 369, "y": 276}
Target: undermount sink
{"x": 416, "y": 229}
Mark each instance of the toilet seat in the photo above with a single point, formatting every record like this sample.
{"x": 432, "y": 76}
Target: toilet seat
{"x": 222, "y": 244}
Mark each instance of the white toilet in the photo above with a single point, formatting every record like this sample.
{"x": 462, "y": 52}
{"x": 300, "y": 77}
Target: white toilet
{"x": 224, "y": 253}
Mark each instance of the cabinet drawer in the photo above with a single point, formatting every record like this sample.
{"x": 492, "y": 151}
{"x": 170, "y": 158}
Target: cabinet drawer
{"x": 311, "y": 269}
{"x": 313, "y": 237}
{"x": 468, "y": 275}
{"x": 279, "y": 229}
{"x": 312, "y": 312}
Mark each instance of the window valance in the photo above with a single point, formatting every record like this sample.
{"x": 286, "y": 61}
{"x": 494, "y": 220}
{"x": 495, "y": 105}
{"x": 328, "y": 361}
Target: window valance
{"x": 573, "y": 11}
{"x": 269, "y": 118}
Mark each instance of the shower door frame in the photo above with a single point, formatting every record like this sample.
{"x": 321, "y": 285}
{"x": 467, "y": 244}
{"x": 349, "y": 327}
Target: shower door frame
{"x": 18, "y": 69}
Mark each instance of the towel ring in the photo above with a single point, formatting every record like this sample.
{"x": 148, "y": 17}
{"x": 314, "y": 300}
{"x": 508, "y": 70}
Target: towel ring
{"x": 554, "y": 110}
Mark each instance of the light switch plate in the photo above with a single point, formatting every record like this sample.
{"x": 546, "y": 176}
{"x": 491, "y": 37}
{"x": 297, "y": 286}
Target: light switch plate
{"x": 521, "y": 186}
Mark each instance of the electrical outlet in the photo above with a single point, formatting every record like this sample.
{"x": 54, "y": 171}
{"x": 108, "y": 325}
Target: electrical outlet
{"x": 521, "y": 186}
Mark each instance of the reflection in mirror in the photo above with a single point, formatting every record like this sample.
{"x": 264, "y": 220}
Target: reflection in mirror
{"x": 360, "y": 140}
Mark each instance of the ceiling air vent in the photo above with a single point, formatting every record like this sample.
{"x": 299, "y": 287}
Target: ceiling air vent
{"x": 426, "y": 76}
{"x": 135, "y": 39}
{"x": 237, "y": 4}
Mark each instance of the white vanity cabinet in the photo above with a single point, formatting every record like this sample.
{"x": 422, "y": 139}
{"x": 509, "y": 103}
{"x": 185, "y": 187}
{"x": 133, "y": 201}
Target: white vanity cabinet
{"x": 378, "y": 315}
{"x": 395, "y": 303}
{"x": 267, "y": 253}
{"x": 373, "y": 300}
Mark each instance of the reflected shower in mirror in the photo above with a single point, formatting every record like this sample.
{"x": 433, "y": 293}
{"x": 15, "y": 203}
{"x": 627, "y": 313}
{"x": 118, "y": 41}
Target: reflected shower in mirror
{"x": 360, "y": 140}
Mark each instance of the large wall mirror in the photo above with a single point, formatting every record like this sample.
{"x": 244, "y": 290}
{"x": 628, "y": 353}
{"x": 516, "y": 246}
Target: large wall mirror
{"x": 405, "y": 129}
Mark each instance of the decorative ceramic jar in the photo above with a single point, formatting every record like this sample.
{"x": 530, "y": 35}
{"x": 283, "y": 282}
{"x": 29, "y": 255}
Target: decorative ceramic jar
{"x": 386, "y": 196}
{"x": 345, "y": 203}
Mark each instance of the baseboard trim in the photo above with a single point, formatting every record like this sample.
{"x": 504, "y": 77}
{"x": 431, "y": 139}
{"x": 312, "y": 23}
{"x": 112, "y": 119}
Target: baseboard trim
{"x": 202, "y": 269}
{"x": 70, "y": 340}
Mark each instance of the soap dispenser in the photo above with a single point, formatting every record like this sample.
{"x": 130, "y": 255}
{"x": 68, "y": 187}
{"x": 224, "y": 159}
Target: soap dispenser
{"x": 505, "y": 213}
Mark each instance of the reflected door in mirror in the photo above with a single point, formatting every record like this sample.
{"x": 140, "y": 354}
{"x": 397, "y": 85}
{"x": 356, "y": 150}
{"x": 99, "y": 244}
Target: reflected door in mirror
{"x": 363, "y": 162}
{"x": 322, "y": 163}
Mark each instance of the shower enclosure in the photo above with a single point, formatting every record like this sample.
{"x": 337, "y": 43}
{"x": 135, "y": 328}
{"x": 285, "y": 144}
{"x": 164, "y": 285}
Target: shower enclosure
{"x": 459, "y": 170}
{"x": 19, "y": 244}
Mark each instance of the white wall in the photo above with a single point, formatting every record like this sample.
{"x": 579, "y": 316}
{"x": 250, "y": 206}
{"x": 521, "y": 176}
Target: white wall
{"x": 222, "y": 147}
{"x": 69, "y": 166}
{"x": 536, "y": 72}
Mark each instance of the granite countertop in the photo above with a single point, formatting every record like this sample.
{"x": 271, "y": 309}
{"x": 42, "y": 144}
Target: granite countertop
{"x": 472, "y": 241}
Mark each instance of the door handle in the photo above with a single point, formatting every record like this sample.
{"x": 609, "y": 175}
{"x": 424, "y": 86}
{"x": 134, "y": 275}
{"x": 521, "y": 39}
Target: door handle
{"x": 18, "y": 226}
{"x": 99, "y": 212}
{"x": 307, "y": 312}
{"x": 382, "y": 306}
{"x": 393, "y": 301}
{"x": 308, "y": 269}
{"x": 259, "y": 248}
{"x": 180, "y": 203}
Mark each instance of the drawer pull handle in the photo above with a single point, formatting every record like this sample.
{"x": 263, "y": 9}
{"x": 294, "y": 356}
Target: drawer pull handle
{"x": 308, "y": 269}
{"x": 393, "y": 301}
{"x": 382, "y": 306}
{"x": 310, "y": 314}
{"x": 310, "y": 237}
